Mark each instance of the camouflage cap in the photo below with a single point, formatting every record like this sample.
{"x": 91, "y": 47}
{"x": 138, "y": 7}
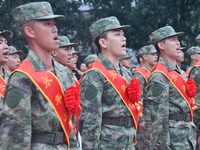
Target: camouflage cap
{"x": 148, "y": 49}
{"x": 125, "y": 57}
{"x": 33, "y": 11}
{"x": 64, "y": 41}
{"x": 105, "y": 24}
{"x": 197, "y": 40}
{"x": 5, "y": 33}
{"x": 162, "y": 33}
{"x": 13, "y": 50}
{"x": 193, "y": 50}
{"x": 89, "y": 59}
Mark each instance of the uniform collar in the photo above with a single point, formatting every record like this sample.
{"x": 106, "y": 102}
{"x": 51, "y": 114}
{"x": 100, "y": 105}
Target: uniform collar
{"x": 106, "y": 62}
{"x": 167, "y": 64}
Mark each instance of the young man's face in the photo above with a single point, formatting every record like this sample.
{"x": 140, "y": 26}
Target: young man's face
{"x": 151, "y": 59}
{"x": 13, "y": 61}
{"x": 4, "y": 51}
{"x": 73, "y": 61}
{"x": 171, "y": 47}
{"x": 44, "y": 33}
{"x": 63, "y": 55}
{"x": 115, "y": 43}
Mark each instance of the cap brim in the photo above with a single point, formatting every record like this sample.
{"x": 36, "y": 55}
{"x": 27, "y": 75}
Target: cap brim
{"x": 20, "y": 52}
{"x": 51, "y": 17}
{"x": 70, "y": 44}
{"x": 6, "y": 33}
{"x": 120, "y": 27}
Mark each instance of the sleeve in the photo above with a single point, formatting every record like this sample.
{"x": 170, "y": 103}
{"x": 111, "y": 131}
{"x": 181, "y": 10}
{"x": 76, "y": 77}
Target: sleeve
{"x": 16, "y": 117}
{"x": 91, "y": 116}
{"x": 157, "y": 102}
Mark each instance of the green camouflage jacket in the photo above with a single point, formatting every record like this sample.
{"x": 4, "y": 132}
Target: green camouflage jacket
{"x": 98, "y": 98}
{"x": 26, "y": 110}
{"x": 163, "y": 99}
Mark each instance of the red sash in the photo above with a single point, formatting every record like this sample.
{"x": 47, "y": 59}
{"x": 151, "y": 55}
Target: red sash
{"x": 2, "y": 86}
{"x": 144, "y": 72}
{"x": 119, "y": 84}
{"x": 178, "y": 82}
{"x": 50, "y": 87}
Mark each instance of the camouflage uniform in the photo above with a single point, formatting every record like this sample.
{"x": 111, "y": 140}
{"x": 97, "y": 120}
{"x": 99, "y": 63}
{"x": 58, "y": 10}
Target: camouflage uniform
{"x": 100, "y": 100}
{"x": 89, "y": 59}
{"x": 195, "y": 74}
{"x": 165, "y": 102}
{"x": 27, "y": 114}
{"x": 143, "y": 139}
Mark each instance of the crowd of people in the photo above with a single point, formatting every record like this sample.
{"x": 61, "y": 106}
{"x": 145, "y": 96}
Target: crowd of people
{"x": 112, "y": 106}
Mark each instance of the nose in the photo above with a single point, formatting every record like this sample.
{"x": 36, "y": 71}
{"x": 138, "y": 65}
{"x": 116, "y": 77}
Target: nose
{"x": 55, "y": 29}
{"x": 5, "y": 46}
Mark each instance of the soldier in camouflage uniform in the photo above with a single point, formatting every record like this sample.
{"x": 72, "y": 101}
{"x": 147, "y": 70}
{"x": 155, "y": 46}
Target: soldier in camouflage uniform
{"x": 105, "y": 119}
{"x": 64, "y": 55}
{"x": 4, "y": 73}
{"x": 194, "y": 73}
{"x": 147, "y": 58}
{"x": 171, "y": 107}
{"x": 29, "y": 120}
{"x": 13, "y": 58}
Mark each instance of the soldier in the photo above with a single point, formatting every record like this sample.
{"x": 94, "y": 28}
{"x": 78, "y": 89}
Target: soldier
{"x": 170, "y": 97}
{"x": 109, "y": 117}
{"x": 90, "y": 59}
{"x": 194, "y": 55}
{"x": 194, "y": 73}
{"x": 126, "y": 61}
{"x": 13, "y": 58}
{"x": 147, "y": 58}
{"x": 36, "y": 113}
{"x": 64, "y": 55}
{"x": 83, "y": 67}
{"x": 4, "y": 74}
{"x": 179, "y": 61}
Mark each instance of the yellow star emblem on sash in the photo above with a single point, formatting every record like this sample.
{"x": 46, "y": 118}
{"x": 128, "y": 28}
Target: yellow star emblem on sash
{"x": 174, "y": 77}
{"x": 2, "y": 87}
{"x": 123, "y": 87}
{"x": 113, "y": 75}
{"x": 58, "y": 99}
{"x": 46, "y": 81}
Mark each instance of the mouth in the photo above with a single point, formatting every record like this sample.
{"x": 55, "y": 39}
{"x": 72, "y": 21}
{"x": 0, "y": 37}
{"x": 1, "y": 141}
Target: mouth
{"x": 124, "y": 45}
{"x": 6, "y": 53}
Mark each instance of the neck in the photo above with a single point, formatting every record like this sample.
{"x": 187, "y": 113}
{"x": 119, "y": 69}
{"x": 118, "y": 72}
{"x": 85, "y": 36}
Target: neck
{"x": 112, "y": 59}
{"x": 170, "y": 60}
{"x": 193, "y": 62}
{"x": 147, "y": 65}
{"x": 1, "y": 70}
{"x": 44, "y": 55}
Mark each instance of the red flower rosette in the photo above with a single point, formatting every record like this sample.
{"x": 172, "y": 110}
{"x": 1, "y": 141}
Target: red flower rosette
{"x": 191, "y": 88}
{"x": 72, "y": 100}
{"x": 134, "y": 90}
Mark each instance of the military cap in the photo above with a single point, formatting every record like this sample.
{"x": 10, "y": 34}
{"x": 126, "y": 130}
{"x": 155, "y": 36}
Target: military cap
{"x": 5, "y": 33}
{"x": 64, "y": 41}
{"x": 197, "y": 40}
{"x": 193, "y": 50}
{"x": 33, "y": 11}
{"x": 162, "y": 33}
{"x": 125, "y": 57}
{"x": 105, "y": 24}
{"x": 89, "y": 59}
{"x": 149, "y": 49}
{"x": 13, "y": 50}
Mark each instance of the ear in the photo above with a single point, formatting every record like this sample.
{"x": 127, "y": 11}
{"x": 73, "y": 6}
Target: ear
{"x": 144, "y": 57}
{"x": 29, "y": 32}
{"x": 53, "y": 53}
{"x": 161, "y": 45}
{"x": 103, "y": 43}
